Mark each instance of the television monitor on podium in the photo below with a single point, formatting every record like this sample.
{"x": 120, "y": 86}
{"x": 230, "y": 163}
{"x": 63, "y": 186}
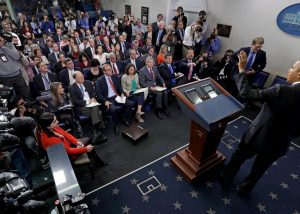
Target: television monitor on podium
{"x": 203, "y": 92}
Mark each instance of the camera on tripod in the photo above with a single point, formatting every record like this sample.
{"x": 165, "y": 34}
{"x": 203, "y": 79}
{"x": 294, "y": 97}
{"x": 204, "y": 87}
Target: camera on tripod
{"x": 71, "y": 204}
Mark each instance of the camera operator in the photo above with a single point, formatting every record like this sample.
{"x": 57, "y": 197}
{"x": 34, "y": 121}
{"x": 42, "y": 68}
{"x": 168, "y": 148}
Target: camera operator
{"x": 31, "y": 109}
{"x": 191, "y": 37}
{"x": 180, "y": 17}
{"x": 10, "y": 70}
{"x": 213, "y": 43}
{"x": 202, "y": 31}
{"x": 170, "y": 39}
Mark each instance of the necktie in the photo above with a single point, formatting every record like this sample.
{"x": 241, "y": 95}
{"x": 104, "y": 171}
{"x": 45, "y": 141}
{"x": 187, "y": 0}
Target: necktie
{"x": 123, "y": 47}
{"x": 171, "y": 71}
{"x": 82, "y": 90}
{"x": 108, "y": 48}
{"x": 78, "y": 41}
{"x": 115, "y": 69}
{"x": 158, "y": 37}
{"x": 151, "y": 72}
{"x": 190, "y": 70}
{"x": 46, "y": 82}
{"x": 181, "y": 35}
{"x": 56, "y": 57}
{"x": 249, "y": 62}
{"x": 112, "y": 86}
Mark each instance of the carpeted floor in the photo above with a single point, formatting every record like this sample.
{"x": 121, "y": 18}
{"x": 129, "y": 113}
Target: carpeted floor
{"x": 277, "y": 192}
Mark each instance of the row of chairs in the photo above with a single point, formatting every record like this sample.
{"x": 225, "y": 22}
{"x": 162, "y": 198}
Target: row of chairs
{"x": 260, "y": 79}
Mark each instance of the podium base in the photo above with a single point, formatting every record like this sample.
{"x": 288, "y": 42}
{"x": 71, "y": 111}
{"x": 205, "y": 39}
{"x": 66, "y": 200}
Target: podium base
{"x": 191, "y": 168}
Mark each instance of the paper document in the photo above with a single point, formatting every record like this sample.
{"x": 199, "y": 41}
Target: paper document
{"x": 66, "y": 107}
{"x": 159, "y": 88}
{"x": 140, "y": 90}
{"x": 120, "y": 99}
{"x": 179, "y": 75}
{"x": 92, "y": 105}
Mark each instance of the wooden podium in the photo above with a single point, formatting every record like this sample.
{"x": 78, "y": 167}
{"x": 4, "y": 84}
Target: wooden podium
{"x": 210, "y": 107}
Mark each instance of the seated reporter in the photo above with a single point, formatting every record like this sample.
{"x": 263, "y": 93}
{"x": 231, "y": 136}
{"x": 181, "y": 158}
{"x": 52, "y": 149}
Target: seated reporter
{"x": 51, "y": 134}
{"x": 82, "y": 93}
{"x": 54, "y": 101}
{"x": 108, "y": 87}
{"x": 130, "y": 83}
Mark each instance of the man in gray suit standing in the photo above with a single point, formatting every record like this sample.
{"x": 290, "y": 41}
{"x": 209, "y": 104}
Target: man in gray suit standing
{"x": 150, "y": 78}
{"x": 269, "y": 135}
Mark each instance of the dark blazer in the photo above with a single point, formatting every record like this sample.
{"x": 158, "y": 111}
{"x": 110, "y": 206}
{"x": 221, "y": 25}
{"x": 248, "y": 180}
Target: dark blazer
{"x": 56, "y": 39}
{"x": 58, "y": 67}
{"x": 160, "y": 38}
{"x": 102, "y": 87}
{"x": 46, "y": 51}
{"x": 88, "y": 51}
{"x": 153, "y": 37}
{"x": 38, "y": 81}
{"x": 77, "y": 42}
{"x": 63, "y": 77}
{"x": 52, "y": 59}
{"x": 77, "y": 97}
{"x": 272, "y": 129}
{"x": 154, "y": 26}
{"x": 139, "y": 63}
{"x": 184, "y": 68}
{"x": 146, "y": 79}
{"x": 259, "y": 63}
{"x": 120, "y": 66}
{"x": 166, "y": 74}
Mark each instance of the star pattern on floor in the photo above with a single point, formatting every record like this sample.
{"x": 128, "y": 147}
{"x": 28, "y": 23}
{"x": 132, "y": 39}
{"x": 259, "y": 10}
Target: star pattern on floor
{"x": 166, "y": 164}
{"x": 177, "y": 205}
{"x": 284, "y": 185}
{"x": 274, "y": 196}
{"x": 95, "y": 201}
{"x": 163, "y": 188}
{"x": 151, "y": 172}
{"x": 261, "y": 207}
{"x": 210, "y": 211}
{"x": 134, "y": 181}
{"x": 227, "y": 201}
{"x": 115, "y": 191}
{"x": 208, "y": 184}
{"x": 295, "y": 176}
{"x": 179, "y": 178}
{"x": 125, "y": 209}
{"x": 194, "y": 194}
{"x": 145, "y": 198}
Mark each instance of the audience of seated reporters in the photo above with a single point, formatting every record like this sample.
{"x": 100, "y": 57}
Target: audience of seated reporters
{"x": 66, "y": 76}
{"x": 116, "y": 65}
{"x": 51, "y": 134}
{"x": 108, "y": 87}
{"x": 150, "y": 52}
{"x": 54, "y": 101}
{"x": 119, "y": 54}
{"x": 82, "y": 94}
{"x": 161, "y": 55}
{"x": 133, "y": 60}
{"x": 150, "y": 78}
{"x": 100, "y": 55}
{"x": 130, "y": 83}
{"x": 60, "y": 65}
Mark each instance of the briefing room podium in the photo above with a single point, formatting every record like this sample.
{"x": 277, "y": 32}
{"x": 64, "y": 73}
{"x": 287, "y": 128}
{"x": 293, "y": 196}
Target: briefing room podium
{"x": 210, "y": 107}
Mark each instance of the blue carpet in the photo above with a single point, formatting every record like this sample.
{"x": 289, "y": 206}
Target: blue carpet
{"x": 278, "y": 191}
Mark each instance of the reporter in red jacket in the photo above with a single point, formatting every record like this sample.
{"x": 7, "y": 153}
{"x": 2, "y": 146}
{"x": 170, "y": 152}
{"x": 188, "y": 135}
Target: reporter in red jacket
{"x": 51, "y": 134}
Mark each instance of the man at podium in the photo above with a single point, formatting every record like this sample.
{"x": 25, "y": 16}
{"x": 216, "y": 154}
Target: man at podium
{"x": 269, "y": 134}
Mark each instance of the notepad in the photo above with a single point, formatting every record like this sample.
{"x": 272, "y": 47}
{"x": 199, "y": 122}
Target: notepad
{"x": 92, "y": 104}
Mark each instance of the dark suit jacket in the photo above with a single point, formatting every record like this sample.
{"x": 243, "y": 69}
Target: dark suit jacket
{"x": 184, "y": 68}
{"x": 153, "y": 37}
{"x": 120, "y": 66}
{"x": 63, "y": 77}
{"x": 55, "y": 38}
{"x": 166, "y": 74}
{"x": 46, "y": 51}
{"x": 259, "y": 63}
{"x": 154, "y": 26}
{"x": 139, "y": 63}
{"x": 38, "y": 81}
{"x": 272, "y": 129}
{"x": 77, "y": 97}
{"x": 160, "y": 38}
{"x": 102, "y": 87}
{"x": 88, "y": 51}
{"x": 146, "y": 79}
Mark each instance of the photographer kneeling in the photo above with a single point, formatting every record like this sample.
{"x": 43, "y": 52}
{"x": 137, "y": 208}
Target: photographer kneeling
{"x": 51, "y": 134}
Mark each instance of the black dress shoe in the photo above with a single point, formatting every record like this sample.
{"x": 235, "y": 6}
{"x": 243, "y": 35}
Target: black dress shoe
{"x": 166, "y": 112}
{"x": 100, "y": 138}
{"x": 159, "y": 115}
{"x": 102, "y": 163}
{"x": 116, "y": 128}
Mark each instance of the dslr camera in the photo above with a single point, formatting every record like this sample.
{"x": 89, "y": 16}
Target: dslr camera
{"x": 6, "y": 36}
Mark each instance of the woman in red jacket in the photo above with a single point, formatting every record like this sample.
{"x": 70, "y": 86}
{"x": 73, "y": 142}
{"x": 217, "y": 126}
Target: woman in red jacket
{"x": 51, "y": 134}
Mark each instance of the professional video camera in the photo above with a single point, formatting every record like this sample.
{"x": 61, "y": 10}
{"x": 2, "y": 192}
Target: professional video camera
{"x": 71, "y": 204}
{"x": 6, "y": 36}
{"x": 6, "y": 96}
{"x": 16, "y": 196}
